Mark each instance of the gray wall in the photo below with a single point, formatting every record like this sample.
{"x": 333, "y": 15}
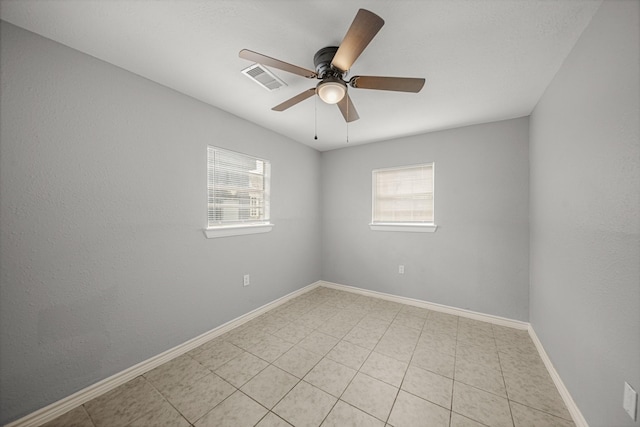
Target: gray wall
{"x": 585, "y": 223}
{"x": 103, "y": 182}
{"x": 478, "y": 257}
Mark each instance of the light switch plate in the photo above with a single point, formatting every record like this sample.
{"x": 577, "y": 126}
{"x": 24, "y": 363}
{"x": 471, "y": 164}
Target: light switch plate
{"x": 630, "y": 401}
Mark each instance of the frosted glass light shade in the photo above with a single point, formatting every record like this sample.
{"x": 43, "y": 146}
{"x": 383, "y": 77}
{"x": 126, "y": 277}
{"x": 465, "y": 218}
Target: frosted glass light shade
{"x": 332, "y": 92}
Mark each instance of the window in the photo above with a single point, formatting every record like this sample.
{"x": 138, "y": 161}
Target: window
{"x": 238, "y": 189}
{"x": 403, "y": 199}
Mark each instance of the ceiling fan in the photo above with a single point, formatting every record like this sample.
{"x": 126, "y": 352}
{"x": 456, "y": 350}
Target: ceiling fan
{"x": 332, "y": 64}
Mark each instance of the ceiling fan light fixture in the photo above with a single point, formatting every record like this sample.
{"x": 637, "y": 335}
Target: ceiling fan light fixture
{"x": 332, "y": 90}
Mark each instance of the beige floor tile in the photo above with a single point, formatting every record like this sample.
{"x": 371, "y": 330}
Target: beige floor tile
{"x": 241, "y": 369}
{"x": 449, "y": 329}
{"x": 475, "y": 326}
{"x": 165, "y": 416}
{"x": 77, "y": 417}
{"x": 411, "y": 411}
{"x": 373, "y": 323}
{"x": 244, "y": 337}
{"x": 446, "y": 323}
{"x": 345, "y": 415}
{"x": 297, "y": 361}
{"x": 396, "y": 349}
{"x": 415, "y": 311}
{"x": 371, "y": 396}
{"x": 305, "y": 405}
{"x": 349, "y": 354}
{"x": 256, "y": 324}
{"x": 272, "y": 420}
{"x": 350, "y": 314}
{"x": 337, "y": 327}
{"x": 479, "y": 339}
{"x": 200, "y": 397}
{"x": 536, "y": 391}
{"x": 330, "y": 376}
{"x": 361, "y": 305}
{"x": 484, "y": 357}
{"x": 481, "y": 406}
{"x": 310, "y": 320}
{"x": 214, "y": 356}
{"x": 504, "y": 334}
{"x": 214, "y": 342}
{"x": 518, "y": 349}
{"x": 443, "y": 343}
{"x": 325, "y": 311}
{"x": 386, "y": 309}
{"x": 124, "y": 404}
{"x": 402, "y": 334}
{"x": 238, "y": 410}
{"x": 409, "y": 320}
{"x": 127, "y": 389}
{"x": 362, "y": 337}
{"x": 523, "y": 416}
{"x": 529, "y": 364}
{"x": 429, "y": 386}
{"x": 272, "y": 323}
{"x": 318, "y": 343}
{"x": 480, "y": 377}
{"x": 180, "y": 371}
{"x": 269, "y": 386}
{"x": 293, "y": 333}
{"x": 385, "y": 368}
{"x": 434, "y": 361}
{"x": 270, "y": 347}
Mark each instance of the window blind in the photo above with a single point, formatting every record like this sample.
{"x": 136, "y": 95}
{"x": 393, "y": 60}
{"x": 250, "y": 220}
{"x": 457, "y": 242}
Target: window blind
{"x": 403, "y": 195}
{"x": 238, "y": 188}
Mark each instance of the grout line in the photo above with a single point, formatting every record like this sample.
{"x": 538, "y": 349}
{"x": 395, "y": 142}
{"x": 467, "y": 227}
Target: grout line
{"x": 455, "y": 360}
{"x": 263, "y": 417}
{"x": 89, "y": 415}
{"x": 167, "y": 400}
{"x": 506, "y": 391}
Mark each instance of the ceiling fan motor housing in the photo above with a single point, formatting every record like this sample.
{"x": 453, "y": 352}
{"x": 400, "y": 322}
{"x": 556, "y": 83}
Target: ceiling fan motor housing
{"x": 322, "y": 61}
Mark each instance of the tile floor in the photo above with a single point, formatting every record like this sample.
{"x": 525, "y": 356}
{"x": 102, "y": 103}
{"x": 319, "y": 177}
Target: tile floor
{"x": 335, "y": 358}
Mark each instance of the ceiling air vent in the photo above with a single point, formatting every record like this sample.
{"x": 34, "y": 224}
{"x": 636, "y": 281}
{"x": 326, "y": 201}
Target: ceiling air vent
{"x": 263, "y": 77}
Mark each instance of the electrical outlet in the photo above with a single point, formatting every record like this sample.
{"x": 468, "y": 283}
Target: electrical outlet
{"x": 247, "y": 280}
{"x": 630, "y": 403}
{"x": 401, "y": 269}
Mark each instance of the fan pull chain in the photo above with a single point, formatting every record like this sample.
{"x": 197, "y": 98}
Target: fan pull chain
{"x": 315, "y": 118}
{"x": 347, "y": 118}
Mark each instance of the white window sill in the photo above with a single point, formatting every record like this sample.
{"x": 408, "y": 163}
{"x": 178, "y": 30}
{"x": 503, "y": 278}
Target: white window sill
{"x": 237, "y": 230}
{"x": 411, "y": 228}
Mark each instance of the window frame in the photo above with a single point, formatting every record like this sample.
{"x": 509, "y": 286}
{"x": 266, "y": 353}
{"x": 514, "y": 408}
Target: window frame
{"x": 246, "y": 226}
{"x": 404, "y": 226}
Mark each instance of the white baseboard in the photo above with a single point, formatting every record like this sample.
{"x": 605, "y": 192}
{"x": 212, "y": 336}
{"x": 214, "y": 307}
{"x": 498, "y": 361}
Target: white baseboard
{"x": 578, "y": 418}
{"x": 68, "y": 403}
{"x": 496, "y": 320}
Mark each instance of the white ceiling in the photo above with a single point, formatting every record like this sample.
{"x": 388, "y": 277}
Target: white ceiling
{"x": 484, "y": 60}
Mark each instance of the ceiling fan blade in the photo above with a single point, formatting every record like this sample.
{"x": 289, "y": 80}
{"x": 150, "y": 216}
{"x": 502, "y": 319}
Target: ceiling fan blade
{"x": 296, "y": 99}
{"x": 347, "y": 109}
{"x": 398, "y": 84}
{"x": 276, "y": 63}
{"x": 363, "y": 29}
